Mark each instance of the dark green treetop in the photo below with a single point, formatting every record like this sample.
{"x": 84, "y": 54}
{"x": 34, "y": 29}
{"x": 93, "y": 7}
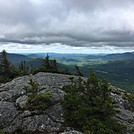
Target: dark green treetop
{"x": 89, "y": 107}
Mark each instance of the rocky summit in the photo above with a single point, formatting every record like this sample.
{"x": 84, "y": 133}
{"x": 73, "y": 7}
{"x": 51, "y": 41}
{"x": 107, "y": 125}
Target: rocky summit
{"x": 15, "y": 119}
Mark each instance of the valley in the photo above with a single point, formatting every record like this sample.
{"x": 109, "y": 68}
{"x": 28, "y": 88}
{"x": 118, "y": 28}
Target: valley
{"x": 117, "y": 69}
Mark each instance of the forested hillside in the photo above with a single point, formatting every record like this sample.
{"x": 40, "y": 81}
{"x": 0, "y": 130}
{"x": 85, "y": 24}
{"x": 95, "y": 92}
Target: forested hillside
{"x": 118, "y": 69}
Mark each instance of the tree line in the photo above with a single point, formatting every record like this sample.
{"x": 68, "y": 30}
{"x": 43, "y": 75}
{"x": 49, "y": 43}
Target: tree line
{"x": 8, "y": 71}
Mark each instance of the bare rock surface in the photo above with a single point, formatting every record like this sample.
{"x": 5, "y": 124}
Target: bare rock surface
{"x": 13, "y": 118}
{"x": 126, "y": 114}
{"x": 13, "y": 99}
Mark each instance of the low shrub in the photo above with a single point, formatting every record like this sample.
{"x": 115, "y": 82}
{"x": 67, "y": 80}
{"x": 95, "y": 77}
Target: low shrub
{"x": 36, "y": 100}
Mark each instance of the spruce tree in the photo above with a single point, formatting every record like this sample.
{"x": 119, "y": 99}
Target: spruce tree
{"x": 54, "y": 66}
{"x": 89, "y": 107}
{"x": 5, "y": 65}
{"x": 46, "y": 65}
{"x": 7, "y": 70}
{"x": 24, "y": 69}
{"x": 78, "y": 72}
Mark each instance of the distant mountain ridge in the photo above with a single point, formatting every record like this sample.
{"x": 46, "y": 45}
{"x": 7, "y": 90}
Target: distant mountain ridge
{"x": 122, "y": 56}
{"x": 112, "y": 57}
{"x": 15, "y": 58}
{"x": 118, "y": 68}
{"x": 28, "y": 57}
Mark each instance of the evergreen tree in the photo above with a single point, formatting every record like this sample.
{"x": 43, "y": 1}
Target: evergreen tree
{"x": 78, "y": 72}
{"x": 47, "y": 64}
{"x": 7, "y": 70}
{"x": 24, "y": 69}
{"x": 32, "y": 69}
{"x": 54, "y": 66}
{"x": 5, "y": 65}
{"x": 37, "y": 101}
{"x": 88, "y": 106}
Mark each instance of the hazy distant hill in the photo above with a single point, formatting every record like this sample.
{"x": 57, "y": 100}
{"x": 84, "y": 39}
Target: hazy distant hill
{"x": 113, "y": 57}
{"x": 55, "y": 55}
{"x": 119, "y": 73}
{"x": 123, "y": 56}
{"x": 17, "y": 58}
{"x": 118, "y": 69}
{"x": 73, "y": 59}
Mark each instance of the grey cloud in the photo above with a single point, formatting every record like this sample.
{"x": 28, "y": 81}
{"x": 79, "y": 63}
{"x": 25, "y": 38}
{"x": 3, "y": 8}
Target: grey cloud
{"x": 84, "y": 23}
{"x": 97, "y": 5}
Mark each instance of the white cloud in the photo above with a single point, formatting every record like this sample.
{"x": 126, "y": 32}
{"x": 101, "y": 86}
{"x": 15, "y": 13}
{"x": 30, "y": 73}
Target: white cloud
{"x": 60, "y": 48}
{"x": 76, "y": 23}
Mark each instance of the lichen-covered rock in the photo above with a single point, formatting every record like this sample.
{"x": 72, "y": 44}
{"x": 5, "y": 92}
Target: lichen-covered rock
{"x": 13, "y": 98}
{"x": 129, "y": 106}
{"x": 15, "y": 118}
{"x": 22, "y": 101}
{"x": 125, "y": 116}
{"x": 8, "y": 113}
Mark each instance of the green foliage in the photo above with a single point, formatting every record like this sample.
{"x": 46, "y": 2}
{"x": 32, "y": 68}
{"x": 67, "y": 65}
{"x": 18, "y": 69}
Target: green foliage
{"x": 118, "y": 71}
{"x": 37, "y": 101}
{"x": 7, "y": 70}
{"x": 88, "y": 106}
{"x": 1, "y": 132}
{"x": 130, "y": 98}
{"x": 34, "y": 87}
{"x": 23, "y": 68}
{"x": 78, "y": 72}
{"x": 5, "y": 64}
{"x": 54, "y": 66}
{"x": 71, "y": 79}
{"x": 49, "y": 65}
{"x": 133, "y": 129}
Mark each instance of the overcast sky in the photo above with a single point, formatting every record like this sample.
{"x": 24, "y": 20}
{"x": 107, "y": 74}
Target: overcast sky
{"x": 75, "y": 26}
